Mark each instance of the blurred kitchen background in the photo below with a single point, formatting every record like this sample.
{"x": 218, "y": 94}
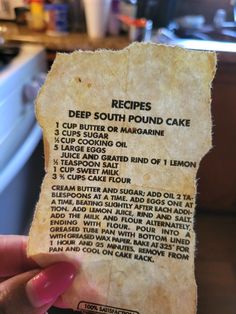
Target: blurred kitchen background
{"x": 31, "y": 32}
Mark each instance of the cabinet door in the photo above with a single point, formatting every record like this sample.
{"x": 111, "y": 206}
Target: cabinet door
{"x": 217, "y": 172}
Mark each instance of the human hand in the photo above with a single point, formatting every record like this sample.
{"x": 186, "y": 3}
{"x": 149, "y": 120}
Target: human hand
{"x": 25, "y": 288}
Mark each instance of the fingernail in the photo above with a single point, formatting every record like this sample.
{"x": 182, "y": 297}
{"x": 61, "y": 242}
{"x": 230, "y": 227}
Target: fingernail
{"x": 46, "y": 286}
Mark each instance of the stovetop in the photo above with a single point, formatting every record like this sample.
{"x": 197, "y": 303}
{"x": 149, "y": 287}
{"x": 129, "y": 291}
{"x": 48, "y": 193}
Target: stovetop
{"x": 7, "y": 53}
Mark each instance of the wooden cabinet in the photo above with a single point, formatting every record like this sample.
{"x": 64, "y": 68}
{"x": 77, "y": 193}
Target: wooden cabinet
{"x": 217, "y": 172}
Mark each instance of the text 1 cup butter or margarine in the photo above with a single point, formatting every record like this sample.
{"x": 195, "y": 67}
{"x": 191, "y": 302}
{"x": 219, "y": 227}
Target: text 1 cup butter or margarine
{"x": 124, "y": 134}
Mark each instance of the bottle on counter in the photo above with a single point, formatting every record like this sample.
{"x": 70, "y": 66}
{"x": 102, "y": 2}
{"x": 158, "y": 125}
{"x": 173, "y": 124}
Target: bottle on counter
{"x": 76, "y": 16}
{"x": 37, "y": 21}
{"x": 114, "y": 23}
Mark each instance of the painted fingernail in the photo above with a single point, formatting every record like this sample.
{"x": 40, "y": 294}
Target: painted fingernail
{"x": 46, "y": 286}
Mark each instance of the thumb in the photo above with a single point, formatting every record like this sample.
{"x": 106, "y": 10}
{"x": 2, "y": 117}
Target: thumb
{"x": 35, "y": 292}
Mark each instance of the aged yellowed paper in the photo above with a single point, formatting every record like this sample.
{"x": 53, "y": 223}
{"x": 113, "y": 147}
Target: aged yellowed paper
{"x": 124, "y": 135}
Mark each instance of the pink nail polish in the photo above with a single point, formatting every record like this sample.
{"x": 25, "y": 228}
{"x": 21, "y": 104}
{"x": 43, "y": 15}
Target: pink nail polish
{"x": 46, "y": 286}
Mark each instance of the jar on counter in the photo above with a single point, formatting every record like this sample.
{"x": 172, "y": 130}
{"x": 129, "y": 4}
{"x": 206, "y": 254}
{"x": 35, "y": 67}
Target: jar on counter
{"x": 56, "y": 17}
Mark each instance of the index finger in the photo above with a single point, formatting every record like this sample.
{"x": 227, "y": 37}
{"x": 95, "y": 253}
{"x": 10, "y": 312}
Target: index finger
{"x": 13, "y": 258}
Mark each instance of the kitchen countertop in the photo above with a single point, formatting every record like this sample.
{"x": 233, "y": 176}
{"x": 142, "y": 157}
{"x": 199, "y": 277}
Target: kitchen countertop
{"x": 68, "y": 42}
{"x": 226, "y": 51}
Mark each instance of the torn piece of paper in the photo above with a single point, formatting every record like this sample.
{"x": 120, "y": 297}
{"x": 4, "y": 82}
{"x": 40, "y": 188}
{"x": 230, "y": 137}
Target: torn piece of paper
{"x": 124, "y": 135}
